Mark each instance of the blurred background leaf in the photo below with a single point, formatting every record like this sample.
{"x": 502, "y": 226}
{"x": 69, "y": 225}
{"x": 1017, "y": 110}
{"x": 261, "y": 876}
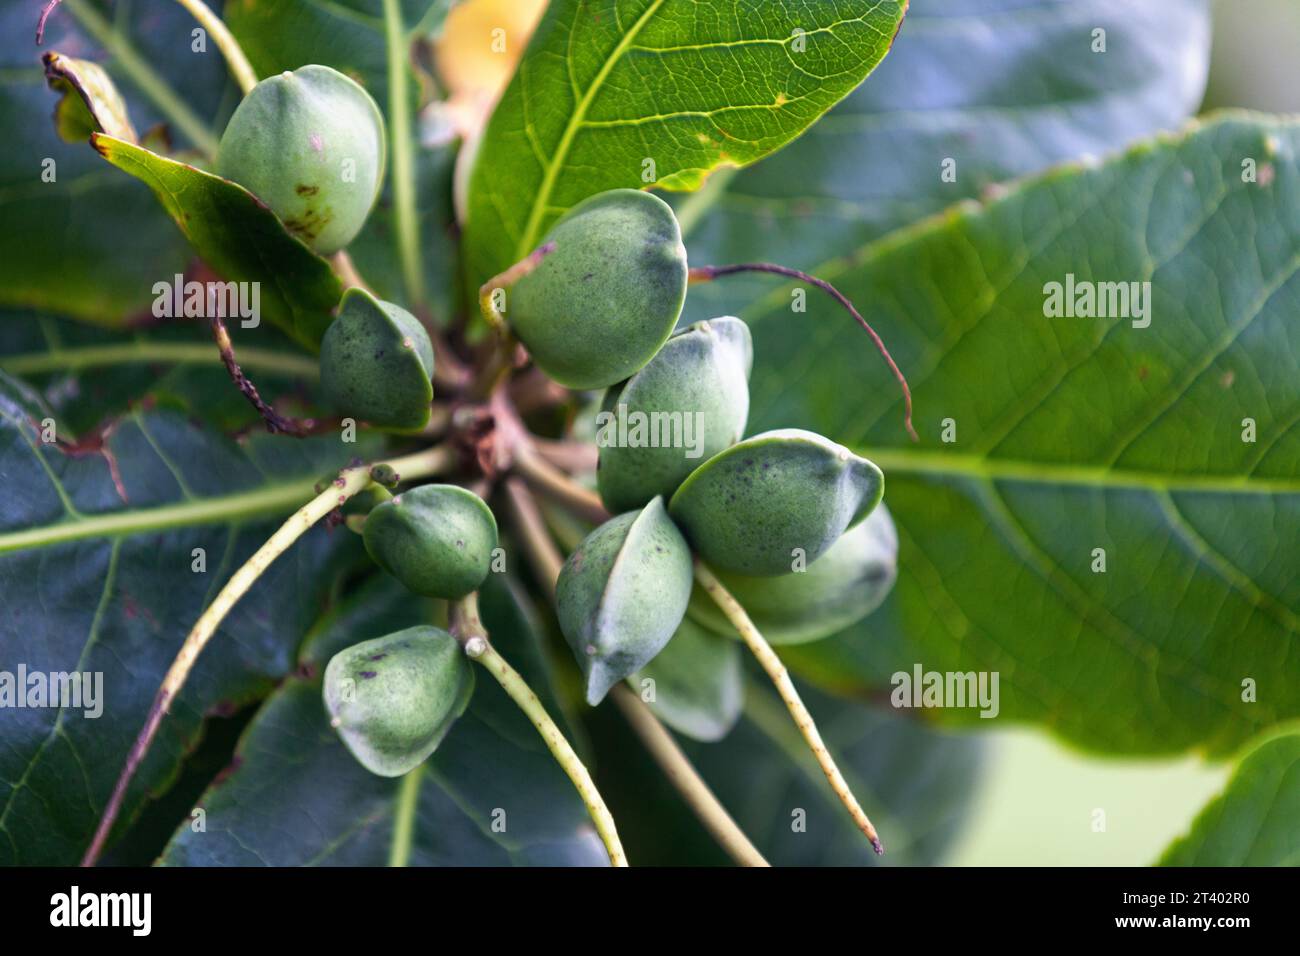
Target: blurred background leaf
{"x": 345, "y": 34}
{"x": 1254, "y": 821}
{"x": 86, "y": 374}
{"x": 91, "y": 242}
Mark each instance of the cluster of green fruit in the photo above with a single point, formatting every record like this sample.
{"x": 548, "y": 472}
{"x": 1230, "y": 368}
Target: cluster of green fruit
{"x": 788, "y": 519}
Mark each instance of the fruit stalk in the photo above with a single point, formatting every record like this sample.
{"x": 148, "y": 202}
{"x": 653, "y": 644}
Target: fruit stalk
{"x": 349, "y": 482}
{"x": 550, "y": 481}
{"x": 501, "y": 361}
{"x": 505, "y": 280}
{"x": 780, "y": 677}
{"x": 683, "y": 775}
{"x": 534, "y": 536}
{"x": 467, "y": 627}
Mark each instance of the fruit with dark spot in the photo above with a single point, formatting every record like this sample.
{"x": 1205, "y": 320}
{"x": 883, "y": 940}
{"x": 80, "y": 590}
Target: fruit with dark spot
{"x": 837, "y": 590}
{"x": 621, "y": 595}
{"x": 690, "y": 402}
{"x": 774, "y": 499}
{"x": 606, "y": 298}
{"x": 376, "y": 363}
{"x": 436, "y": 539}
{"x": 311, "y": 145}
{"x": 393, "y": 699}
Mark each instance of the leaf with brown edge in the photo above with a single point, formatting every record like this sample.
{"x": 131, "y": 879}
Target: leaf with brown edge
{"x": 239, "y": 236}
{"x": 90, "y": 103}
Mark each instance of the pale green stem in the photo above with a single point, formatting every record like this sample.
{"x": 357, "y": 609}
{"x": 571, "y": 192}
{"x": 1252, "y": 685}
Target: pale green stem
{"x": 469, "y": 630}
{"x": 350, "y": 481}
{"x": 559, "y": 487}
{"x": 94, "y": 356}
{"x": 683, "y": 775}
{"x": 240, "y": 68}
{"x": 527, "y": 700}
{"x": 146, "y": 80}
{"x": 769, "y": 717}
{"x": 501, "y": 361}
{"x": 408, "y": 795}
{"x": 780, "y": 677}
{"x": 407, "y": 232}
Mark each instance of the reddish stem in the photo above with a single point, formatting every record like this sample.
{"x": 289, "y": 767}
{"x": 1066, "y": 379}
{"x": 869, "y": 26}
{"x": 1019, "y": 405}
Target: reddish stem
{"x": 45, "y": 15}
{"x": 157, "y": 710}
{"x": 275, "y": 422}
{"x": 709, "y": 273}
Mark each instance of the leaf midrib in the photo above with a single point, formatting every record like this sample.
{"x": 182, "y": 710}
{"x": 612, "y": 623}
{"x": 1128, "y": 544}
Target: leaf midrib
{"x": 542, "y": 200}
{"x": 904, "y": 461}
{"x": 272, "y": 499}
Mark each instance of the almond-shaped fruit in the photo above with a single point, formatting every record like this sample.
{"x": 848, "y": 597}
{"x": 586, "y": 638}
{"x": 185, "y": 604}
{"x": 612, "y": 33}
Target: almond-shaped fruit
{"x": 774, "y": 499}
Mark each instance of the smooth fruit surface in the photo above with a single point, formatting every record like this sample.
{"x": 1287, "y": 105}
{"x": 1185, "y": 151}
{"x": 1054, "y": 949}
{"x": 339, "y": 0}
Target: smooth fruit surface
{"x": 393, "y": 699}
{"x": 376, "y": 363}
{"x": 689, "y": 403}
{"x": 598, "y": 307}
{"x": 311, "y": 145}
{"x": 621, "y": 595}
{"x": 694, "y": 684}
{"x": 840, "y": 588}
{"x": 772, "y": 499}
{"x": 436, "y": 539}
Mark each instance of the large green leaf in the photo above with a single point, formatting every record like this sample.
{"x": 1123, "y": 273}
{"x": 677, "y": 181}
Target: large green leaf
{"x": 690, "y": 86}
{"x": 490, "y": 794}
{"x": 98, "y": 573}
{"x": 239, "y": 236}
{"x": 91, "y": 243}
{"x": 1081, "y": 434}
{"x": 1001, "y": 88}
{"x": 1253, "y": 822}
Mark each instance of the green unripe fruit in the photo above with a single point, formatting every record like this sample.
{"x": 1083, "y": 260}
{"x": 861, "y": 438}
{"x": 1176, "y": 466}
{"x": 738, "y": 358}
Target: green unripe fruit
{"x": 768, "y": 500}
{"x": 689, "y": 403}
{"x": 598, "y": 307}
{"x": 621, "y": 595}
{"x": 436, "y": 539}
{"x": 310, "y": 144}
{"x": 376, "y": 363}
{"x": 837, "y": 590}
{"x": 697, "y": 687}
{"x": 393, "y": 699}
